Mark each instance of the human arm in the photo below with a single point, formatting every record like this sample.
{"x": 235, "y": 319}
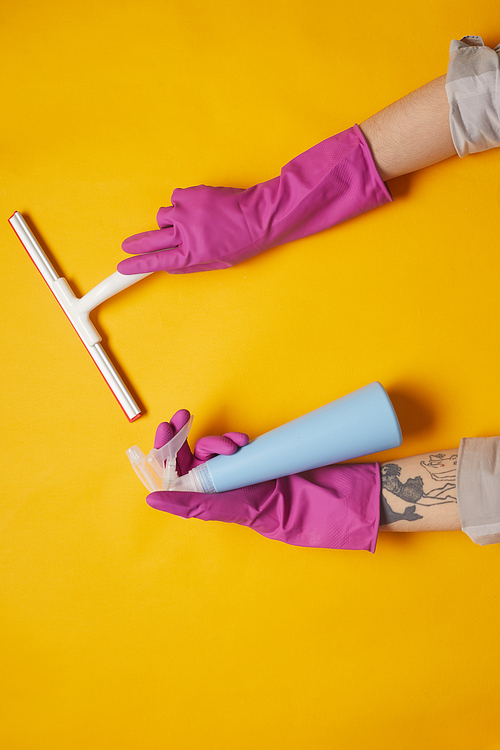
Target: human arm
{"x": 210, "y": 227}
{"x": 207, "y": 228}
{"x": 417, "y": 493}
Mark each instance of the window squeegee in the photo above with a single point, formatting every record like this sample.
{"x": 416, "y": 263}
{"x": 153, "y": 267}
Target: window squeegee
{"x": 78, "y": 309}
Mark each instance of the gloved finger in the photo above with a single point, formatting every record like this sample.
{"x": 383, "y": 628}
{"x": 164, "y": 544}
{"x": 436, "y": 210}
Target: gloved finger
{"x": 166, "y": 430}
{"x": 184, "y": 504}
{"x": 184, "y": 455}
{"x": 179, "y": 419}
{"x": 237, "y": 506}
{"x": 164, "y": 433}
{"x": 162, "y": 217}
{"x": 149, "y": 262}
{"x": 216, "y": 445}
{"x": 240, "y": 438}
{"x": 223, "y": 506}
{"x": 151, "y": 242}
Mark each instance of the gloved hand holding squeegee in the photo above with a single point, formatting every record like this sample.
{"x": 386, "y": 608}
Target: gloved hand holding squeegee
{"x": 209, "y": 228}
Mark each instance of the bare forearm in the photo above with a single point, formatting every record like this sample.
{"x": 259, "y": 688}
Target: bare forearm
{"x": 412, "y": 133}
{"x": 419, "y": 493}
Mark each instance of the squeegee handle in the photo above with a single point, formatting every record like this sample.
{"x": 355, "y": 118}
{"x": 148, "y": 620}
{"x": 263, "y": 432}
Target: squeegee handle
{"x": 107, "y": 288}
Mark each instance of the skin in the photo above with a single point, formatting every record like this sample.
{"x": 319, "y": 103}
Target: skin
{"x": 398, "y": 135}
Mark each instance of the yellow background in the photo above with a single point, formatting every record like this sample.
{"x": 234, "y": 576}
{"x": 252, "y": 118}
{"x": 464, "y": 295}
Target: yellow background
{"x": 125, "y": 628}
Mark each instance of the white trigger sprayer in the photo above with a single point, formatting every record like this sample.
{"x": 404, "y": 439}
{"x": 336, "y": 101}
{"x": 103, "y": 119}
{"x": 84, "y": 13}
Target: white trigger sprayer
{"x": 157, "y": 470}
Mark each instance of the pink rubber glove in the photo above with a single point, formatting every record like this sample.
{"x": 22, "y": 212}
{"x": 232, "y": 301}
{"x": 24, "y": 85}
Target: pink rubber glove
{"x": 216, "y": 227}
{"x": 337, "y": 507}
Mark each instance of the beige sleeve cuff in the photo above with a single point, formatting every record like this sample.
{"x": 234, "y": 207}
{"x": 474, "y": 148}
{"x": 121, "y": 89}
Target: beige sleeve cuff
{"x": 478, "y": 489}
{"x": 473, "y": 90}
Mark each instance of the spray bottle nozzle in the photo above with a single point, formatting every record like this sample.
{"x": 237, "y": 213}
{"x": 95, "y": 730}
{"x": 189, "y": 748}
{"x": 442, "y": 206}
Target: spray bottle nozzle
{"x": 157, "y": 470}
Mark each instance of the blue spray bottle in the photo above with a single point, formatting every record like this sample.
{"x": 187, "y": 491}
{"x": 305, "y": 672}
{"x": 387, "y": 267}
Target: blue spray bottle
{"x": 355, "y": 425}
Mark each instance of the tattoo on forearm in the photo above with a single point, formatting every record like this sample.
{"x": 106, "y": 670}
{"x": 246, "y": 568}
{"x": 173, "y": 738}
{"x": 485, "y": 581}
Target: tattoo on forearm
{"x": 388, "y": 515}
{"x": 441, "y": 469}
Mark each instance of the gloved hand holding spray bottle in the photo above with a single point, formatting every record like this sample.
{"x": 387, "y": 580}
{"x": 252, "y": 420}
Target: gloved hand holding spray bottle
{"x": 262, "y": 484}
